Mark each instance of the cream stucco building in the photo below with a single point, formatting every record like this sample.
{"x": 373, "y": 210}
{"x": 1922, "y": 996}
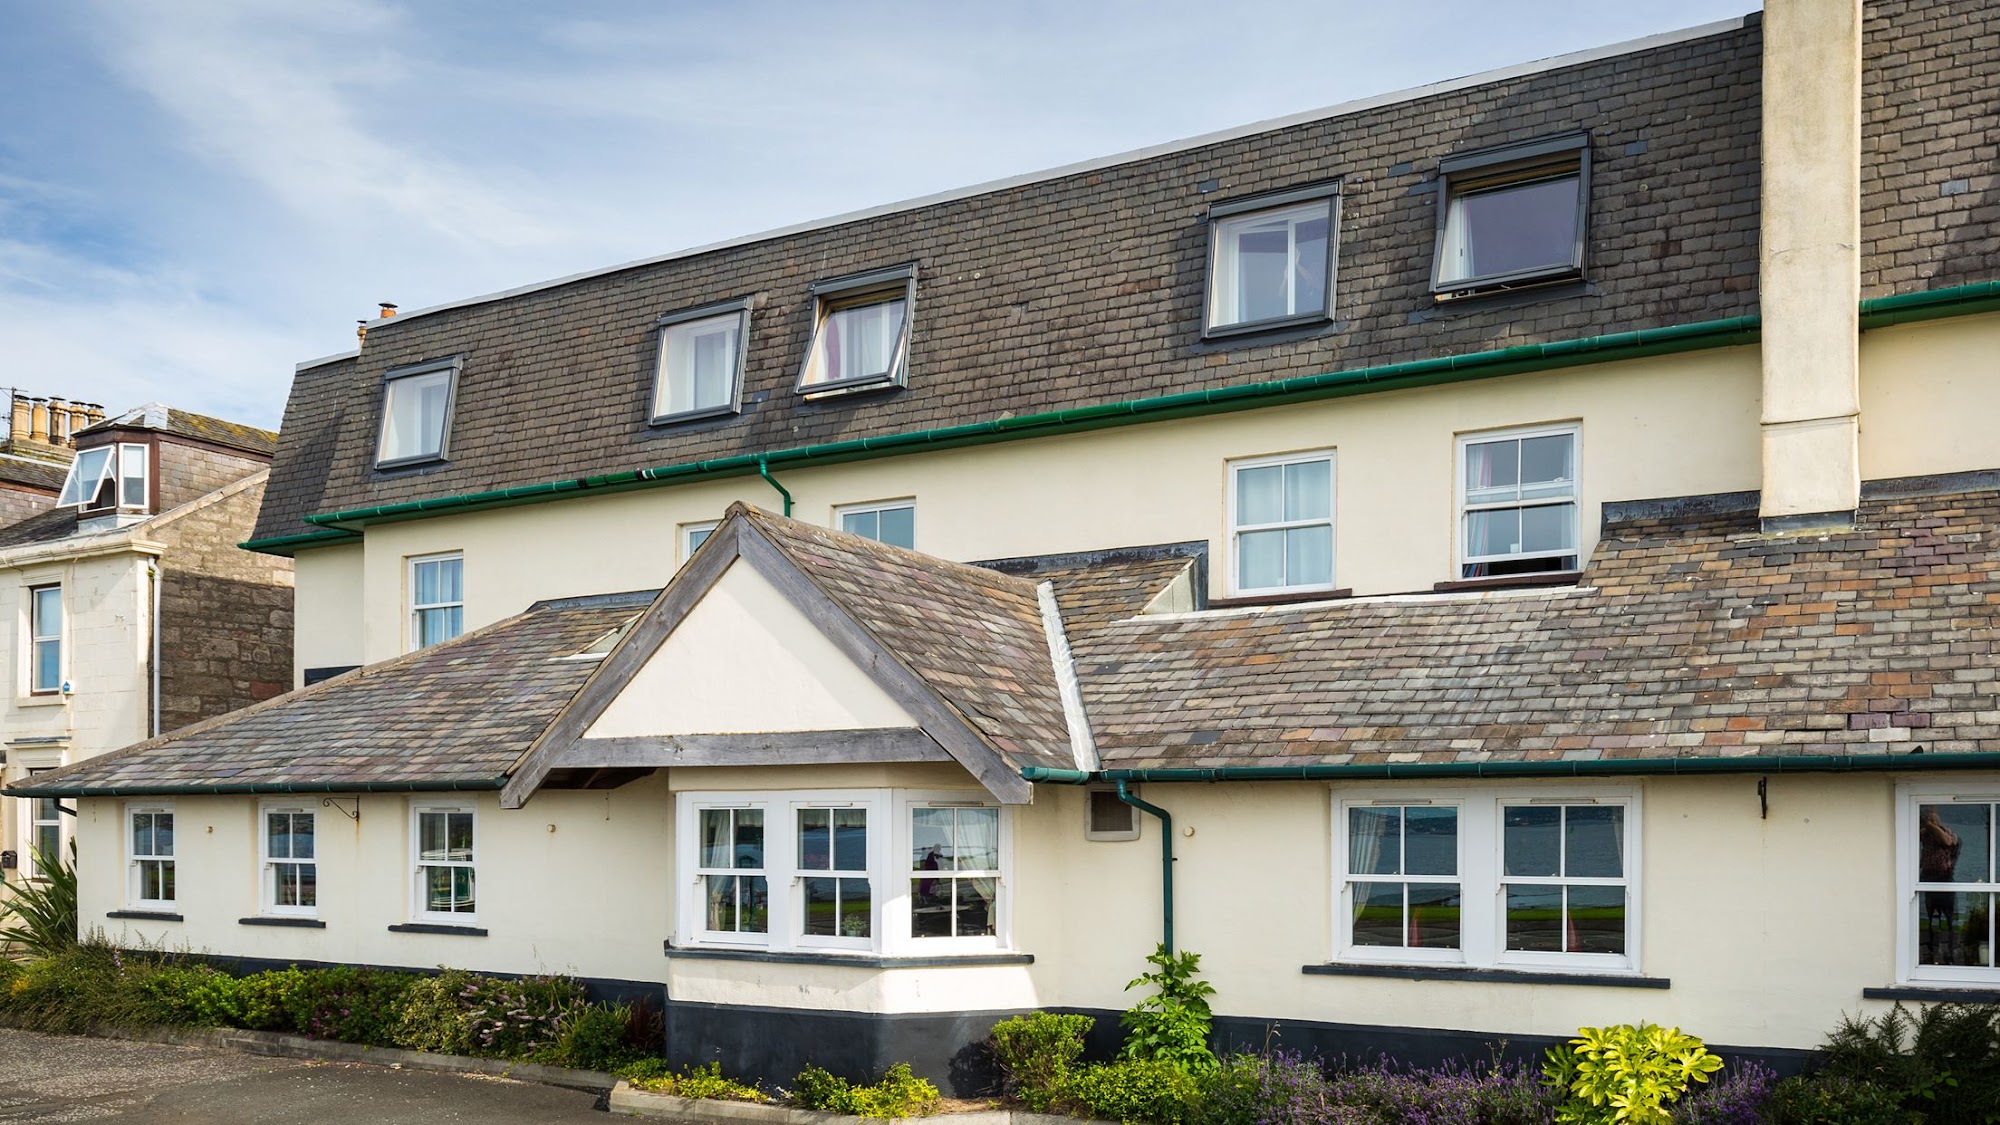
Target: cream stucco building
{"x": 1510, "y": 555}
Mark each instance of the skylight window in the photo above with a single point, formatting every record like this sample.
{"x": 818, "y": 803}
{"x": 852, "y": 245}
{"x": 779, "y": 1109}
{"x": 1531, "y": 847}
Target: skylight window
{"x": 1512, "y": 216}
{"x": 860, "y": 332}
{"x": 701, "y": 361}
{"x": 416, "y": 413}
{"x": 1270, "y": 261}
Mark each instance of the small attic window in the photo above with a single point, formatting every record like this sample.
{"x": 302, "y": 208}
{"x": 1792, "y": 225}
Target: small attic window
{"x": 416, "y": 413}
{"x": 107, "y": 477}
{"x": 1106, "y": 818}
{"x": 602, "y": 646}
{"x": 861, "y": 332}
{"x": 1512, "y": 216}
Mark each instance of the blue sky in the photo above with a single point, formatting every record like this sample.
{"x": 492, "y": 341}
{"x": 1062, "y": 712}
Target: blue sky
{"x": 196, "y": 195}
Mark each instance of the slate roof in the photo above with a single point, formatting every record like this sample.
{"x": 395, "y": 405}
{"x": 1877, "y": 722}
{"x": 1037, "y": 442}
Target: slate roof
{"x": 974, "y": 635}
{"x": 32, "y": 472}
{"x": 44, "y": 527}
{"x": 456, "y": 714}
{"x": 1688, "y": 636}
{"x": 187, "y": 424}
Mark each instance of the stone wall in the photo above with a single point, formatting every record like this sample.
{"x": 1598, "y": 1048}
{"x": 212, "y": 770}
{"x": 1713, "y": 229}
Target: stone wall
{"x": 225, "y": 614}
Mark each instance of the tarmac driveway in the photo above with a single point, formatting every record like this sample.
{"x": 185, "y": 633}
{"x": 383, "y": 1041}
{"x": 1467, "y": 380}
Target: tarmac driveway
{"x": 47, "y": 1078}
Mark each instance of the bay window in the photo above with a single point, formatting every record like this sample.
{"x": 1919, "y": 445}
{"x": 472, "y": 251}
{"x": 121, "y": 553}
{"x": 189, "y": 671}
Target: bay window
{"x": 1485, "y": 878}
{"x": 842, "y": 872}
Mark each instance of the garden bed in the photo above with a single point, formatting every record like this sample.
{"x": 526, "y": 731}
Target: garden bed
{"x": 626, "y": 1098}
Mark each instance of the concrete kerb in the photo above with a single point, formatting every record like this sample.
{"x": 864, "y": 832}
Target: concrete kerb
{"x": 705, "y": 1111}
{"x": 299, "y": 1047}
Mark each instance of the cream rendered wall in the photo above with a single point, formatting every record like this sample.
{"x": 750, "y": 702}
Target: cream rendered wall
{"x": 1929, "y": 394}
{"x": 1666, "y": 426}
{"x": 745, "y": 660}
{"x": 574, "y": 883}
{"x": 327, "y": 623}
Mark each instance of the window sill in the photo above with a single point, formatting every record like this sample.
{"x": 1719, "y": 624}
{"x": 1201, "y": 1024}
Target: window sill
{"x": 406, "y": 463}
{"x": 856, "y": 961}
{"x": 41, "y": 699}
{"x": 819, "y": 391}
{"x": 436, "y": 928}
{"x": 1237, "y": 601}
{"x": 1510, "y": 582}
{"x": 145, "y": 915}
{"x": 702, "y": 415}
{"x": 273, "y": 920}
{"x": 1487, "y": 976}
{"x": 1939, "y": 993}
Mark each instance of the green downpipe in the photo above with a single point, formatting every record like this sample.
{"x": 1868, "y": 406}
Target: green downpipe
{"x": 1166, "y": 862}
{"x": 764, "y": 470}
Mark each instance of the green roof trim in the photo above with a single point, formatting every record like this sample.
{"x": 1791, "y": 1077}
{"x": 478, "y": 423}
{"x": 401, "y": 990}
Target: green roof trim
{"x": 1583, "y": 767}
{"x": 287, "y": 544}
{"x": 1875, "y": 312}
{"x": 481, "y": 784}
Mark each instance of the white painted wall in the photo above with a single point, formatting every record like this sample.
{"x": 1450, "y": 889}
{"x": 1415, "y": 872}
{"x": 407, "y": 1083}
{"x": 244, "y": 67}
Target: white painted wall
{"x": 327, "y": 622}
{"x": 1768, "y": 928}
{"x": 1929, "y": 393}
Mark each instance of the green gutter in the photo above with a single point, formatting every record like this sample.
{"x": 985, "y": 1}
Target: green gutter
{"x": 1638, "y": 344}
{"x": 1930, "y": 304}
{"x": 285, "y": 544}
{"x": 483, "y": 784}
{"x": 1595, "y": 767}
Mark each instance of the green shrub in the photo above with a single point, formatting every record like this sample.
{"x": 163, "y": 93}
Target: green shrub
{"x": 1158, "y": 1090}
{"x": 87, "y": 985}
{"x": 900, "y": 1094}
{"x": 520, "y": 1019}
{"x": 191, "y": 995}
{"x": 594, "y": 1038}
{"x": 1828, "y": 1099}
{"x": 351, "y": 1005}
{"x": 1037, "y": 1052}
{"x": 1942, "y": 1061}
{"x": 433, "y": 1017}
{"x": 1173, "y": 1023}
{"x": 43, "y": 911}
{"x": 1624, "y": 1074}
{"x": 270, "y": 1001}
{"x": 693, "y": 1082}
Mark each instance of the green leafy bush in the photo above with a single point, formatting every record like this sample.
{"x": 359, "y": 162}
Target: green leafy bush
{"x": 271, "y": 1001}
{"x": 1037, "y": 1052}
{"x": 1625, "y": 1074}
{"x": 43, "y": 911}
{"x": 692, "y": 1082}
{"x": 1159, "y": 1090}
{"x": 433, "y": 1017}
{"x": 348, "y": 1004}
{"x": 1172, "y": 1024}
{"x": 900, "y": 1094}
{"x": 520, "y": 1019}
{"x": 594, "y": 1038}
{"x": 193, "y": 995}
{"x": 1942, "y": 1061}
{"x": 1829, "y": 1099}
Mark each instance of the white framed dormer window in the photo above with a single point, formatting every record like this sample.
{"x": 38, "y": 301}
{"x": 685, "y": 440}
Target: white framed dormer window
{"x": 437, "y": 599}
{"x": 693, "y": 535}
{"x": 1530, "y": 879}
{"x": 893, "y": 522}
{"x": 446, "y": 860}
{"x": 290, "y": 860}
{"x": 45, "y": 640}
{"x": 149, "y": 842}
{"x": 1271, "y": 260}
{"x": 1947, "y": 882}
{"x": 416, "y": 413}
{"x": 861, "y": 331}
{"x": 1518, "y": 501}
{"x": 1512, "y": 216}
{"x": 108, "y": 477}
{"x": 700, "y": 371}
{"x": 843, "y": 871}
{"x": 1281, "y": 523}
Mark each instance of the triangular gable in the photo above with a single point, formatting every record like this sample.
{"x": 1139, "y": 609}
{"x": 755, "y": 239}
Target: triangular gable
{"x": 939, "y": 732}
{"x": 745, "y": 660}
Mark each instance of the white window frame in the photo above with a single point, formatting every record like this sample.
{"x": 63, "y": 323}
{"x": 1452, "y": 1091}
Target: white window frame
{"x": 889, "y": 873}
{"x": 413, "y": 632}
{"x": 1909, "y": 795}
{"x": 451, "y": 368}
{"x": 688, "y": 531}
{"x": 699, "y": 321}
{"x": 1462, "y": 506}
{"x": 877, "y": 507}
{"x": 31, "y": 821}
{"x": 694, "y": 905}
{"x": 267, "y": 872}
{"x": 418, "y": 864}
{"x": 38, "y": 636}
{"x": 1331, "y": 521}
{"x": 1309, "y": 201}
{"x": 127, "y": 453}
{"x": 1482, "y": 878}
{"x": 135, "y": 860}
{"x": 74, "y": 493}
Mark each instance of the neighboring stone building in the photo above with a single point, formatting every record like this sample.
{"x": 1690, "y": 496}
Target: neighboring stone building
{"x": 35, "y": 452}
{"x": 1516, "y": 554}
{"x": 132, "y": 609}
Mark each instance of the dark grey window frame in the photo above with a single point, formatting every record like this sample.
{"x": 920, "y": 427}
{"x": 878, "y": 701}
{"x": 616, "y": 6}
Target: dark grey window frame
{"x": 1272, "y": 201}
{"x": 456, "y": 365}
{"x": 1525, "y": 156}
{"x": 854, "y": 289}
{"x": 741, "y": 306}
